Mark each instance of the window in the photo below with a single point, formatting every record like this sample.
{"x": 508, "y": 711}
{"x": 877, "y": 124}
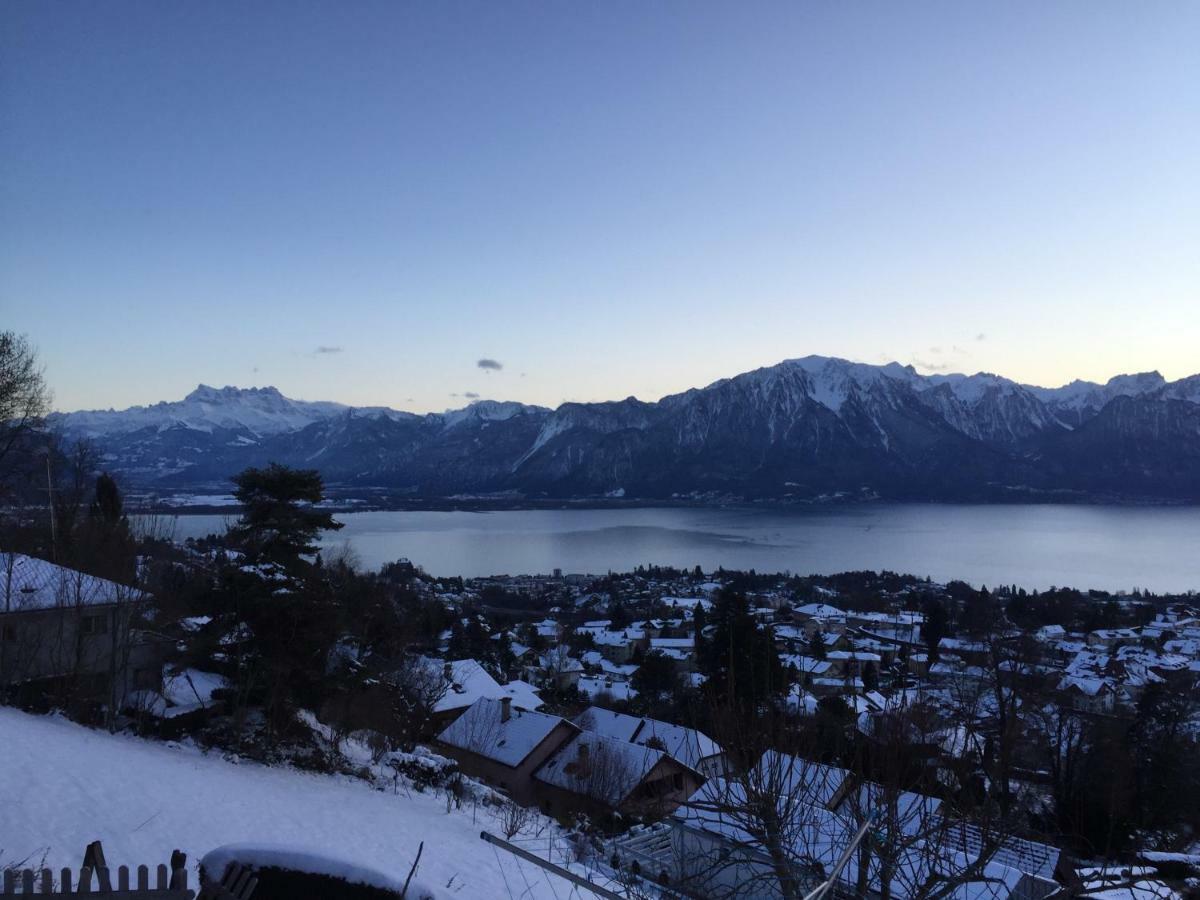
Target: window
{"x": 97, "y": 624}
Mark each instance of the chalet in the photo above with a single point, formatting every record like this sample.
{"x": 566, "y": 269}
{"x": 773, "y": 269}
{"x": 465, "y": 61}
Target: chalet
{"x": 595, "y": 774}
{"x": 1050, "y": 633}
{"x": 58, "y": 623}
{"x": 503, "y": 745}
{"x": 1088, "y": 694}
{"x": 851, "y": 662}
{"x": 1107, "y": 638}
{"x": 974, "y": 653}
{"x": 689, "y": 746}
{"x": 601, "y": 688}
{"x": 556, "y": 669}
{"x": 465, "y": 681}
{"x": 680, "y": 649}
{"x": 820, "y": 611}
{"x": 620, "y": 646}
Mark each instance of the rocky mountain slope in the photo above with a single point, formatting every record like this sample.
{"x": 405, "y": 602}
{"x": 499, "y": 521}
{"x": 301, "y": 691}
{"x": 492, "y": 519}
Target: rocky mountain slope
{"x": 803, "y": 429}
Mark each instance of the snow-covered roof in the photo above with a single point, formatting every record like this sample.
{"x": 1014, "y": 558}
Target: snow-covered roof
{"x": 592, "y": 687}
{"x": 559, "y": 659}
{"x": 673, "y": 643}
{"x": 618, "y": 726}
{"x": 686, "y": 745}
{"x": 599, "y": 767}
{"x": 818, "y": 611}
{"x": 483, "y": 730}
{"x": 28, "y": 583}
{"x": 824, "y": 823}
{"x": 687, "y": 602}
{"x": 860, "y": 656}
{"x": 469, "y": 681}
{"x": 618, "y": 638}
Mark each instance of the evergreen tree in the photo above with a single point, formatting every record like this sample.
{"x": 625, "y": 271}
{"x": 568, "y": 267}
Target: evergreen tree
{"x": 657, "y": 676}
{"x": 817, "y": 646}
{"x": 290, "y": 619}
{"x": 280, "y": 523}
{"x": 741, "y": 661}
{"x": 699, "y": 623}
{"x": 870, "y": 676}
{"x": 935, "y": 627}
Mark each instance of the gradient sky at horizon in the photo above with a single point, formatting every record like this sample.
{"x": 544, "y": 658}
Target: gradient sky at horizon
{"x": 361, "y": 201}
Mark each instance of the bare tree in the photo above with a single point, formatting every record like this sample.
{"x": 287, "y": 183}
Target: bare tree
{"x": 24, "y": 397}
{"x": 514, "y": 818}
{"x": 417, "y": 686}
{"x": 777, "y": 824}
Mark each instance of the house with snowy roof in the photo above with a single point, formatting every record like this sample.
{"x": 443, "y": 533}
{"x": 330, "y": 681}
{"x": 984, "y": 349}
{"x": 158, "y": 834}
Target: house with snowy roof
{"x": 59, "y": 623}
{"x": 596, "y": 774}
{"x": 690, "y": 746}
{"x": 620, "y": 646}
{"x": 1050, "y": 633}
{"x": 714, "y": 847}
{"x": 556, "y": 669}
{"x": 1107, "y": 638}
{"x": 680, "y": 649}
{"x": 817, "y": 611}
{"x": 604, "y": 689}
{"x": 464, "y": 681}
{"x": 504, "y": 745}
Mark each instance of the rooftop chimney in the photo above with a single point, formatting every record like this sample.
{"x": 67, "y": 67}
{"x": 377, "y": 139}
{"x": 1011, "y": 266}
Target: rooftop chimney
{"x": 505, "y": 708}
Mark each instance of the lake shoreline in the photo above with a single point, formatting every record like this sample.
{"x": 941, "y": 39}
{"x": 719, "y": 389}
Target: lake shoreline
{"x": 352, "y": 505}
{"x": 1036, "y": 546}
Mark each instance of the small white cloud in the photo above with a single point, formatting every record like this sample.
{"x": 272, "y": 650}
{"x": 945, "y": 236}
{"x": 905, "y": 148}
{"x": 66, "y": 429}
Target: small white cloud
{"x": 931, "y": 366}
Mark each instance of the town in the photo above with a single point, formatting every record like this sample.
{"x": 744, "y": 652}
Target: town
{"x": 684, "y": 733}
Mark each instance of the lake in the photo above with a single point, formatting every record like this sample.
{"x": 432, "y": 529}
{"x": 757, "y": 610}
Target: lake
{"x": 1034, "y": 546}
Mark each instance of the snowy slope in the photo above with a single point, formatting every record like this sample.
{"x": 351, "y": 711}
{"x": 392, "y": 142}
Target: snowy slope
{"x": 63, "y": 786}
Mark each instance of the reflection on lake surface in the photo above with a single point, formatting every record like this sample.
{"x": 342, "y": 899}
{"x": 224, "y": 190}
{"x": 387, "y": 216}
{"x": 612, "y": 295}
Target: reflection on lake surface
{"x": 1034, "y": 546}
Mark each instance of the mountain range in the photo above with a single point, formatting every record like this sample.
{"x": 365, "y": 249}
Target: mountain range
{"x": 802, "y": 430}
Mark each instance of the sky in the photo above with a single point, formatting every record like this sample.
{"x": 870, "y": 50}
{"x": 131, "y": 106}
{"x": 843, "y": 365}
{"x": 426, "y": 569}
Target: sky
{"x": 413, "y": 204}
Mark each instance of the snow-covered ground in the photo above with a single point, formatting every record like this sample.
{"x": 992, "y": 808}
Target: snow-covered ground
{"x": 63, "y": 786}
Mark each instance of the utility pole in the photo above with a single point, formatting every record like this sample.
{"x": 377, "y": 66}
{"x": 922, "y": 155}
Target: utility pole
{"x": 53, "y": 521}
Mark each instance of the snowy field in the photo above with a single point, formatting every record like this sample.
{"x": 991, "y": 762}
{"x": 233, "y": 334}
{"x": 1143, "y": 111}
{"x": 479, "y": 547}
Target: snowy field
{"x": 63, "y": 786}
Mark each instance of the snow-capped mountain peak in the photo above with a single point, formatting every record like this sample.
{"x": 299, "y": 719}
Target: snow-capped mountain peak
{"x": 260, "y": 411}
{"x": 488, "y": 411}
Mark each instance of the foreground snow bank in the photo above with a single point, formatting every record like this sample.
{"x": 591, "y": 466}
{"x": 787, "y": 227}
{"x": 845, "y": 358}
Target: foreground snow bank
{"x": 63, "y": 786}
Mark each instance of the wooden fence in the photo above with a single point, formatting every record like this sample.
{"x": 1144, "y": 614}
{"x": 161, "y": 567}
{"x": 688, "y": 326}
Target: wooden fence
{"x": 167, "y": 885}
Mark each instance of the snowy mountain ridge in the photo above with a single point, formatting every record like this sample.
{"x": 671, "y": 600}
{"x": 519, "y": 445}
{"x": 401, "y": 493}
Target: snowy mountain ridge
{"x": 804, "y": 427}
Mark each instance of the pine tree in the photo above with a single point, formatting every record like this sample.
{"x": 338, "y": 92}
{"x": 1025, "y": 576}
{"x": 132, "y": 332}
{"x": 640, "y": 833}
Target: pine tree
{"x": 741, "y": 661}
{"x": 280, "y": 523}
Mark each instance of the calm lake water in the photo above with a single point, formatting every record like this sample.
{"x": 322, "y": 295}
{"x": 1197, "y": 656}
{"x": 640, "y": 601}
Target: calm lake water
{"x": 1106, "y": 547}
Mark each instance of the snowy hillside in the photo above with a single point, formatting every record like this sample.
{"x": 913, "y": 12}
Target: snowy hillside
{"x": 64, "y": 786}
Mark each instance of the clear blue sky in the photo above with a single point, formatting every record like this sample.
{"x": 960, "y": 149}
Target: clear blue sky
{"x": 607, "y": 198}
